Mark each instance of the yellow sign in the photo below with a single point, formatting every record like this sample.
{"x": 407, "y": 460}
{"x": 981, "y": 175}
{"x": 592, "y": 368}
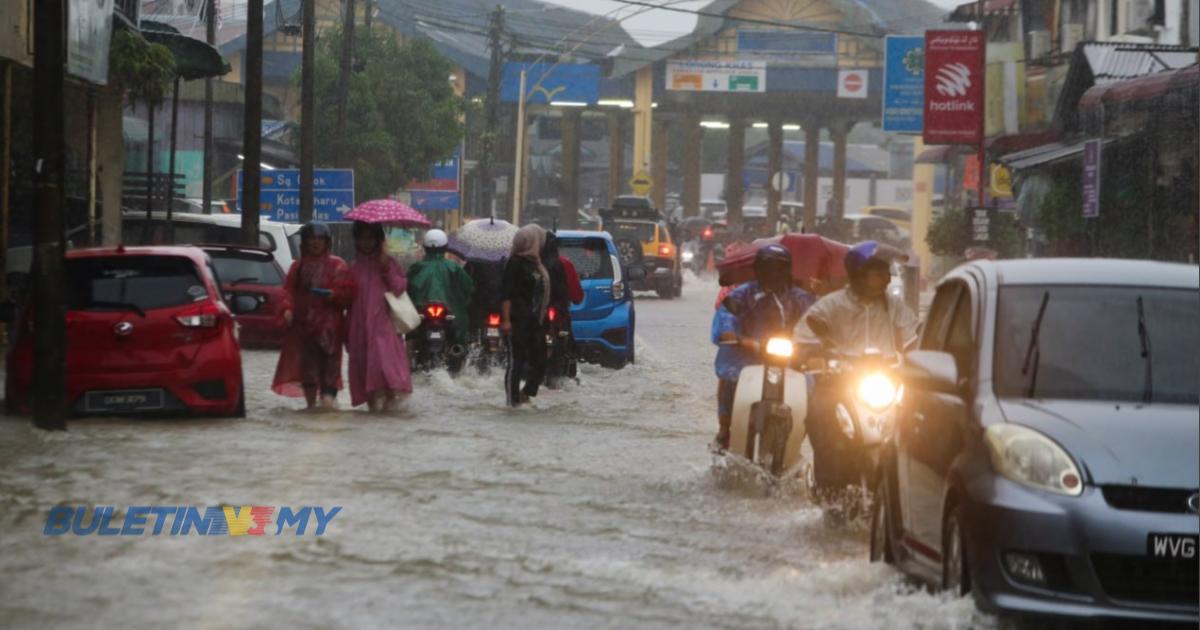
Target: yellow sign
{"x": 1001, "y": 182}
{"x": 641, "y": 183}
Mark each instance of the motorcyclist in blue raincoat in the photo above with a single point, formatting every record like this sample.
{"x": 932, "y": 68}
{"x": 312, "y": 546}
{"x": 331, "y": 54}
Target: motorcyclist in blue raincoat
{"x": 769, "y": 305}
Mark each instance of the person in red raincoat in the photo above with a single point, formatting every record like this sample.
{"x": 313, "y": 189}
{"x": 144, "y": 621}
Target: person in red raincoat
{"x": 318, "y": 291}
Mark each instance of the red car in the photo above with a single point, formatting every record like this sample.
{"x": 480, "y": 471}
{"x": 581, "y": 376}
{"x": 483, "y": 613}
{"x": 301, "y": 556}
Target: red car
{"x": 252, "y": 283}
{"x": 147, "y": 332}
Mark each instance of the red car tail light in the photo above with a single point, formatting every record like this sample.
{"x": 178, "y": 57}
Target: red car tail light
{"x": 494, "y": 320}
{"x": 435, "y": 311}
{"x": 207, "y": 316}
{"x": 664, "y": 250}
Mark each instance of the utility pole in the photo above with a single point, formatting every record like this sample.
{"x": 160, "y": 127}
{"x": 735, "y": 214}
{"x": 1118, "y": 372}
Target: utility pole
{"x": 252, "y": 133}
{"x": 491, "y": 121}
{"x": 308, "y": 107}
{"x": 49, "y": 270}
{"x": 210, "y": 36}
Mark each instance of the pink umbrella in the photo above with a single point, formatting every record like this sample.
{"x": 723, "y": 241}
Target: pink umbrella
{"x": 388, "y": 211}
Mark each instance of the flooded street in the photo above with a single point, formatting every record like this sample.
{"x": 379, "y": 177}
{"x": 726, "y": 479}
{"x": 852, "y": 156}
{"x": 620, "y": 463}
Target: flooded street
{"x": 597, "y": 507}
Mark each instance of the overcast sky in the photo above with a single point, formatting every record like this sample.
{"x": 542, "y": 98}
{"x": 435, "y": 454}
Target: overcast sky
{"x": 651, "y": 27}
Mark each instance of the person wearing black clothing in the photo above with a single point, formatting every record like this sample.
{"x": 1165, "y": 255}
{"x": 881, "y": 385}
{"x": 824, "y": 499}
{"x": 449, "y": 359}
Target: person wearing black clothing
{"x": 525, "y": 296}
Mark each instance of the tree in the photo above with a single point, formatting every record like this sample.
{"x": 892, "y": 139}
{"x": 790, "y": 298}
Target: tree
{"x": 402, "y": 117}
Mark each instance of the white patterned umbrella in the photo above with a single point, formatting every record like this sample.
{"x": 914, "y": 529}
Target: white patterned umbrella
{"x": 483, "y": 239}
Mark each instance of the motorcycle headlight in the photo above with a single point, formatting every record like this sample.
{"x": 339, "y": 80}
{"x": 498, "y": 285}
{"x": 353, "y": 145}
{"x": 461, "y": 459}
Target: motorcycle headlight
{"x": 1032, "y": 459}
{"x": 780, "y": 347}
{"x": 687, "y": 256}
{"x": 877, "y": 391}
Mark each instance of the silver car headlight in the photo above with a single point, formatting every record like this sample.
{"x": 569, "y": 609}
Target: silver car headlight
{"x": 1032, "y": 459}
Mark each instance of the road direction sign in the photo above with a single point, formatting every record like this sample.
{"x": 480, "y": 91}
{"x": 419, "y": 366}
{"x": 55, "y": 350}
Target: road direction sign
{"x": 641, "y": 183}
{"x": 333, "y": 194}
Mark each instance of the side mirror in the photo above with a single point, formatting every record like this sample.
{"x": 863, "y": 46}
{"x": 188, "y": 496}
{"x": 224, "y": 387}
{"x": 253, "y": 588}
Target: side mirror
{"x": 635, "y": 274}
{"x": 931, "y": 369}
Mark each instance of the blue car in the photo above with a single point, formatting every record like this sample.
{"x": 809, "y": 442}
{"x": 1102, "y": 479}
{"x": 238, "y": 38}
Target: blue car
{"x": 604, "y": 323}
{"x": 1046, "y": 454}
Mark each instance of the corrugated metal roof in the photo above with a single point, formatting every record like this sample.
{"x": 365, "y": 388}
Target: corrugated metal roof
{"x": 1111, "y": 61}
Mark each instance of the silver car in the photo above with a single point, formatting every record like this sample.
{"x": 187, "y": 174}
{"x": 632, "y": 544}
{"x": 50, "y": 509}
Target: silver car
{"x": 1046, "y": 455}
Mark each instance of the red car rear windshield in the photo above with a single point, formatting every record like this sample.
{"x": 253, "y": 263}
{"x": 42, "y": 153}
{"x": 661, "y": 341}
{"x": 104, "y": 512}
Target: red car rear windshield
{"x": 233, "y": 268}
{"x": 147, "y": 282}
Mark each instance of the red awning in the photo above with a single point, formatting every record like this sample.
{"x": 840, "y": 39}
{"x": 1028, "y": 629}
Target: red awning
{"x": 1139, "y": 89}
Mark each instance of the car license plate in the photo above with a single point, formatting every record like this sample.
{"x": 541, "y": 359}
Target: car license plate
{"x": 1181, "y": 546}
{"x": 493, "y": 332}
{"x": 435, "y": 335}
{"x": 125, "y": 401}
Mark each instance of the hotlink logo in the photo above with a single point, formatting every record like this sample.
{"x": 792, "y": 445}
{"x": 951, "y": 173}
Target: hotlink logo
{"x": 953, "y": 80}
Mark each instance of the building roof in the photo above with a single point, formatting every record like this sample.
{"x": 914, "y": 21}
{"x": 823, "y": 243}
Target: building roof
{"x": 1110, "y": 62}
{"x": 1103, "y": 63}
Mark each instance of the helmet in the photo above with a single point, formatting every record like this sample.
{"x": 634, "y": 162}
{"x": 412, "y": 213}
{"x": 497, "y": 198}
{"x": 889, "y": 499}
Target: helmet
{"x": 435, "y": 239}
{"x": 315, "y": 229}
{"x": 870, "y": 252}
{"x": 773, "y": 267}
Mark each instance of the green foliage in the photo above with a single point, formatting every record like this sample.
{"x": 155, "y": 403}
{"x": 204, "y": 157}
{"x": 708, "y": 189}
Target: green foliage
{"x": 402, "y": 116}
{"x": 950, "y": 234}
{"x": 142, "y": 69}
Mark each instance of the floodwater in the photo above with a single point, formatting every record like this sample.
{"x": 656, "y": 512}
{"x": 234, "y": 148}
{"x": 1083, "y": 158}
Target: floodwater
{"x": 598, "y": 507}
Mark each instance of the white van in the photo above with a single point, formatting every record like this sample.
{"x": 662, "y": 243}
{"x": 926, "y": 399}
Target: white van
{"x": 281, "y": 239}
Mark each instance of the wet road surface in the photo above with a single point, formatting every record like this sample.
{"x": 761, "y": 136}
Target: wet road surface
{"x": 598, "y": 507}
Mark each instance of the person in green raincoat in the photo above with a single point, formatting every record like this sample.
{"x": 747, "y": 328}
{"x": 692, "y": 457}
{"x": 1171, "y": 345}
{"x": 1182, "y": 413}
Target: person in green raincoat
{"x": 438, "y": 279}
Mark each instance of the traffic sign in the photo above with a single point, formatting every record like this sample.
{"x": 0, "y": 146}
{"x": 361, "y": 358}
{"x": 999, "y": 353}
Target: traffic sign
{"x": 852, "y": 84}
{"x": 333, "y": 194}
{"x": 641, "y": 183}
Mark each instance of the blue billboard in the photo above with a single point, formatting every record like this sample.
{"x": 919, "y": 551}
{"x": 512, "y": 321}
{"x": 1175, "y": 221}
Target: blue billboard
{"x": 549, "y": 82}
{"x": 333, "y": 194}
{"x": 904, "y": 84}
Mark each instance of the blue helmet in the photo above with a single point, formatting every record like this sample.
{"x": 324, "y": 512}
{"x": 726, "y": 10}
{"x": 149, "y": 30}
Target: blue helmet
{"x": 870, "y": 251}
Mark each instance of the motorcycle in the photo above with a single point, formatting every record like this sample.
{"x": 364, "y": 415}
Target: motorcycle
{"x": 691, "y": 257}
{"x": 769, "y": 408}
{"x": 489, "y": 350}
{"x": 866, "y": 395}
{"x": 432, "y": 344}
{"x": 561, "y": 362}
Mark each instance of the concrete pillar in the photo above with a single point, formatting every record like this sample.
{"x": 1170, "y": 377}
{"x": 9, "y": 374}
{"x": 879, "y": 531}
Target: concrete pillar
{"x": 774, "y": 166}
{"x": 693, "y": 142}
{"x": 922, "y": 212}
{"x": 658, "y": 165}
{"x": 616, "y": 154}
{"x": 812, "y": 173}
{"x": 568, "y": 202}
{"x": 643, "y": 117}
{"x": 110, "y": 160}
{"x": 735, "y": 164}
{"x": 838, "y": 132}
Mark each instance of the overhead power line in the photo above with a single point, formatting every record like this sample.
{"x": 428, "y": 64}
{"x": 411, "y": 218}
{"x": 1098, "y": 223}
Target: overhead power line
{"x": 797, "y": 27}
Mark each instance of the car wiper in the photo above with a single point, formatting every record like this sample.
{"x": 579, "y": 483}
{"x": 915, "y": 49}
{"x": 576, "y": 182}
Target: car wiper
{"x": 125, "y": 306}
{"x": 1144, "y": 337}
{"x": 1034, "y": 348}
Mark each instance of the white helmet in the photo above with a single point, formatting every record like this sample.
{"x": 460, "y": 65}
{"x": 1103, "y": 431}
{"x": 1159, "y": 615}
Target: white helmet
{"x": 435, "y": 239}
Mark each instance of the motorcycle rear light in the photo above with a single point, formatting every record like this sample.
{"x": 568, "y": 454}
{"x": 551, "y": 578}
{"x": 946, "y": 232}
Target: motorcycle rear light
{"x": 708, "y": 233}
{"x": 552, "y": 313}
{"x": 435, "y": 311}
{"x": 494, "y": 320}
{"x": 206, "y": 317}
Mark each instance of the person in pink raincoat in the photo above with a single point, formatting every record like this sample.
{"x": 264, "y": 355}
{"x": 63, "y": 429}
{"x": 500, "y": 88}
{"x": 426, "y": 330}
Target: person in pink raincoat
{"x": 318, "y": 289}
{"x": 379, "y": 371}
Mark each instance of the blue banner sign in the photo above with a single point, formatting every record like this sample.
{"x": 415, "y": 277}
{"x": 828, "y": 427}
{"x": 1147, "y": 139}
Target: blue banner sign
{"x": 333, "y": 194}
{"x": 904, "y": 84}
{"x": 550, "y": 83}
{"x": 424, "y": 200}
